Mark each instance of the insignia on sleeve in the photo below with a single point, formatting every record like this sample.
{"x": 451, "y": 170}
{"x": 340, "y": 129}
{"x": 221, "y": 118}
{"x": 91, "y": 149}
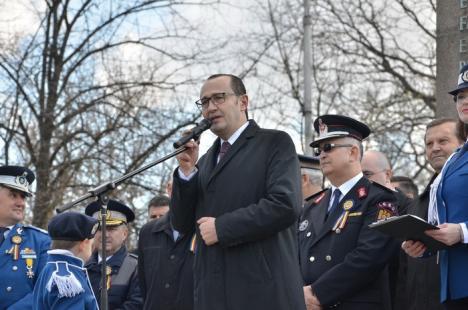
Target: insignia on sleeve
{"x": 386, "y": 209}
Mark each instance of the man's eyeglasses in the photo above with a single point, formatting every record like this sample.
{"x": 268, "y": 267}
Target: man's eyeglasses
{"x": 327, "y": 147}
{"x": 216, "y": 98}
{"x": 369, "y": 174}
{"x": 459, "y": 98}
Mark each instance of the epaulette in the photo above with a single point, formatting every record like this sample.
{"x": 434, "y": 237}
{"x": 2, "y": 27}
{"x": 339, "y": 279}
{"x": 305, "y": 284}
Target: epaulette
{"x": 383, "y": 187}
{"x": 65, "y": 280}
{"x": 36, "y": 228}
{"x": 317, "y": 196}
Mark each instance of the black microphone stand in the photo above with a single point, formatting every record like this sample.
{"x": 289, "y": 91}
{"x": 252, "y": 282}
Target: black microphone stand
{"x": 102, "y": 194}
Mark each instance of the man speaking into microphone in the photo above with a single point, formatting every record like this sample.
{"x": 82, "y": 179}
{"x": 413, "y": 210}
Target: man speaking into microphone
{"x": 243, "y": 197}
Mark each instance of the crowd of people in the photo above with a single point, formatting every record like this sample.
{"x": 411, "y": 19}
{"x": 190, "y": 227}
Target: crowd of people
{"x": 248, "y": 225}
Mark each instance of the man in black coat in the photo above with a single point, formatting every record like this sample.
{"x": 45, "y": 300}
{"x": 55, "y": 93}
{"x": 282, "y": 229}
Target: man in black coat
{"x": 422, "y": 285}
{"x": 165, "y": 261}
{"x": 121, "y": 275}
{"x": 343, "y": 262}
{"x": 244, "y": 199}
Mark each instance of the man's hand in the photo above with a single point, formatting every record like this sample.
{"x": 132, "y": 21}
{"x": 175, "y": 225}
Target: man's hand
{"x": 448, "y": 233}
{"x": 413, "y": 248}
{"x": 208, "y": 230}
{"x": 189, "y": 157}
{"x": 311, "y": 301}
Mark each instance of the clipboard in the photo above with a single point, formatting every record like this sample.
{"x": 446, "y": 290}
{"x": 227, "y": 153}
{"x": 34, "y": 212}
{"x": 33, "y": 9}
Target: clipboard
{"x": 409, "y": 227}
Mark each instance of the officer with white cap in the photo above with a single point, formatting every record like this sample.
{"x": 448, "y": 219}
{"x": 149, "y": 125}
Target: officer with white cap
{"x": 23, "y": 248}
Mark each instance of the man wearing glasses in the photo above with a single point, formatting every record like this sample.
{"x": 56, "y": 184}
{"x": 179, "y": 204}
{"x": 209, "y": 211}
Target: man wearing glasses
{"x": 343, "y": 262}
{"x": 243, "y": 197}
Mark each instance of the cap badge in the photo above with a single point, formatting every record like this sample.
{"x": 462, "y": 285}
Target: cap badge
{"x": 21, "y": 180}
{"x": 323, "y": 128}
{"x": 464, "y": 76}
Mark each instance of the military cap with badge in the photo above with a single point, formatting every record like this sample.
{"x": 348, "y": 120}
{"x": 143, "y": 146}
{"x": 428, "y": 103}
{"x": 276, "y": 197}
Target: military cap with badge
{"x": 23, "y": 248}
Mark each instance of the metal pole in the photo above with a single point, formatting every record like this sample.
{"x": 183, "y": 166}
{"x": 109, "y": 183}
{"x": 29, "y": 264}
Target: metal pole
{"x": 307, "y": 43}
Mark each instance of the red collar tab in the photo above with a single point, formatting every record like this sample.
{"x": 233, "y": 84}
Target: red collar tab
{"x": 362, "y": 192}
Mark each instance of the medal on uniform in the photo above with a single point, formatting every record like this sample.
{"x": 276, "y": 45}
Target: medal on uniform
{"x": 29, "y": 255}
{"x": 341, "y": 222}
{"x": 14, "y": 251}
{"x": 108, "y": 276}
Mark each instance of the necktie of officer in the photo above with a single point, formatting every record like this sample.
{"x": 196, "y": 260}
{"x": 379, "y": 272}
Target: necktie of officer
{"x": 2, "y": 234}
{"x": 225, "y": 146}
{"x": 335, "y": 200}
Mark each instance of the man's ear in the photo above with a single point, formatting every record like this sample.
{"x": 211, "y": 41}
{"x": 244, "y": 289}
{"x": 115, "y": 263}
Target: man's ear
{"x": 244, "y": 102}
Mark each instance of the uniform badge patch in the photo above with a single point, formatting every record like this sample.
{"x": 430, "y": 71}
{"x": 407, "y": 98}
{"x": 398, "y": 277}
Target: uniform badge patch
{"x": 362, "y": 192}
{"x": 303, "y": 226}
{"x": 348, "y": 205}
{"x": 386, "y": 209}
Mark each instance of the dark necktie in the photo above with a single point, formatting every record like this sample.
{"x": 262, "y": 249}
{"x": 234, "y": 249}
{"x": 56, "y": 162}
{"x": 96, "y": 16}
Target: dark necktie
{"x": 225, "y": 146}
{"x": 336, "y": 200}
{"x": 2, "y": 234}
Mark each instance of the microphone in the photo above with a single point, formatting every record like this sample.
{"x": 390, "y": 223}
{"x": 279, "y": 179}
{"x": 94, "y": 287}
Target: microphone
{"x": 194, "y": 133}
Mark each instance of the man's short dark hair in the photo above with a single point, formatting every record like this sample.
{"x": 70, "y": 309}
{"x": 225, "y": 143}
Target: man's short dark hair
{"x": 460, "y": 131}
{"x": 236, "y": 84}
{"x": 159, "y": 201}
{"x": 406, "y": 185}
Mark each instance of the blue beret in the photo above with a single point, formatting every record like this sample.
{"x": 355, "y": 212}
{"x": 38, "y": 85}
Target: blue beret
{"x": 17, "y": 177}
{"x": 72, "y": 226}
{"x": 117, "y": 212}
{"x": 338, "y": 126}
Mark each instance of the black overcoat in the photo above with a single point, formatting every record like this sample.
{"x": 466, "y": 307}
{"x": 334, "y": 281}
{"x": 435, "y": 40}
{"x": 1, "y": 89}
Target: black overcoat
{"x": 254, "y": 193}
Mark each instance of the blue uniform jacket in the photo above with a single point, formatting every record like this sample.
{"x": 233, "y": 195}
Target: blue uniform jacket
{"x": 64, "y": 284}
{"x": 17, "y": 282}
{"x": 452, "y": 207}
{"x": 124, "y": 294}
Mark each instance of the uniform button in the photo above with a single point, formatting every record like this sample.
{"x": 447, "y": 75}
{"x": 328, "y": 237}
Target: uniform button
{"x": 167, "y": 285}
{"x": 308, "y": 234}
{"x": 172, "y": 256}
{"x": 312, "y": 258}
{"x": 328, "y": 258}
{"x": 14, "y": 268}
{"x": 8, "y": 289}
{"x": 338, "y": 230}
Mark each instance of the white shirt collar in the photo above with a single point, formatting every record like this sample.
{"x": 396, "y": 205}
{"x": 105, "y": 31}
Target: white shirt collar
{"x": 236, "y": 134}
{"x": 348, "y": 185}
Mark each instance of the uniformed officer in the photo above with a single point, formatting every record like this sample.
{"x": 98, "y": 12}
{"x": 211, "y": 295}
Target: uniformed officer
{"x": 64, "y": 283}
{"x": 311, "y": 176}
{"x": 23, "y": 248}
{"x": 122, "y": 275}
{"x": 343, "y": 262}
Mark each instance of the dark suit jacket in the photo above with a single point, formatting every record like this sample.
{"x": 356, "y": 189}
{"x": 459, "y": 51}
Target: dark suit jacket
{"x": 254, "y": 193}
{"x": 347, "y": 269}
{"x": 165, "y": 267}
{"x": 419, "y": 285}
